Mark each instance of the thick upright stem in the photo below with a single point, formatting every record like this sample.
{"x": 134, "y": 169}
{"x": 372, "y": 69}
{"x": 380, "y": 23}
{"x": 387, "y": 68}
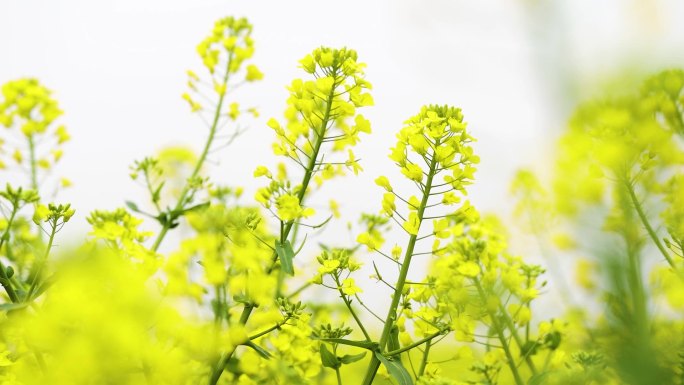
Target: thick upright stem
{"x": 401, "y": 280}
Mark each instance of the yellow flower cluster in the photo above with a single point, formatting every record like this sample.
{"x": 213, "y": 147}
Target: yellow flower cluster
{"x": 103, "y": 307}
{"x": 224, "y": 53}
{"x": 622, "y": 138}
{"x": 29, "y": 106}
{"x": 219, "y": 246}
{"x": 324, "y": 110}
{"x": 432, "y": 143}
{"x": 118, "y": 229}
{"x": 218, "y": 307}
{"x": 232, "y": 36}
{"x": 321, "y": 119}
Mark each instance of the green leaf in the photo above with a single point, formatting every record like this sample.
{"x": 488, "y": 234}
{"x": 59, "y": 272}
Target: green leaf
{"x": 196, "y": 207}
{"x": 156, "y": 196}
{"x": 177, "y": 213}
{"x": 301, "y": 246}
{"x": 241, "y": 298}
{"x": 359, "y": 344}
{"x": 325, "y": 222}
{"x": 393, "y": 343}
{"x": 12, "y": 306}
{"x": 285, "y": 254}
{"x": 43, "y": 286}
{"x": 538, "y": 379}
{"x": 132, "y": 206}
{"x": 260, "y": 351}
{"x": 395, "y": 369}
{"x": 328, "y": 359}
{"x": 351, "y": 358}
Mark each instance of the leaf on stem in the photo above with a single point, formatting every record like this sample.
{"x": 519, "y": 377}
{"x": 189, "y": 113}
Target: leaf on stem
{"x": 285, "y": 254}
{"x": 395, "y": 369}
{"x": 328, "y": 359}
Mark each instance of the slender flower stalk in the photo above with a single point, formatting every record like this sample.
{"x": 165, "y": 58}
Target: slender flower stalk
{"x": 317, "y": 112}
{"x": 437, "y": 138}
{"x": 232, "y": 36}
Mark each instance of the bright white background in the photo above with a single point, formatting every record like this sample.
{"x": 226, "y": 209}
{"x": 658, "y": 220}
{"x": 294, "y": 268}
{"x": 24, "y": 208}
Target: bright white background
{"x": 515, "y": 67}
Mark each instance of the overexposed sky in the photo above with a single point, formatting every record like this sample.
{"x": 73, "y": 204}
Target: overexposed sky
{"x": 515, "y": 67}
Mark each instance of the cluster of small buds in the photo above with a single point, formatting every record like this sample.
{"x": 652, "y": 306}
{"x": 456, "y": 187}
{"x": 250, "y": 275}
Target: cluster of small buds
{"x": 19, "y": 197}
{"x": 54, "y": 214}
{"x": 338, "y": 264}
{"x": 252, "y": 221}
{"x": 336, "y": 260}
{"x": 290, "y": 309}
{"x": 149, "y": 167}
{"x": 116, "y": 225}
{"x": 223, "y": 193}
{"x": 330, "y": 331}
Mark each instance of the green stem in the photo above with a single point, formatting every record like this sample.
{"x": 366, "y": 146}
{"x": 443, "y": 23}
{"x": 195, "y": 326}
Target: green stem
{"x": 502, "y": 338}
{"x": 339, "y": 377}
{"x": 423, "y": 363}
{"x": 42, "y": 263}
{"x": 647, "y": 225}
{"x": 200, "y": 162}
{"x": 32, "y": 160}
{"x": 516, "y": 337}
{"x": 347, "y": 302}
{"x": 149, "y": 189}
{"x": 272, "y": 328}
{"x": 406, "y": 348}
{"x": 299, "y": 290}
{"x": 401, "y": 280}
{"x": 247, "y": 310}
{"x": 6, "y": 283}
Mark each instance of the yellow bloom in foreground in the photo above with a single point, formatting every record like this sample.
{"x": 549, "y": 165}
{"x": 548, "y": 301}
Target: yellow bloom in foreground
{"x": 413, "y": 172}
{"x": 349, "y": 287}
{"x": 253, "y": 73}
{"x": 289, "y": 209}
{"x": 383, "y": 182}
{"x": 371, "y": 240}
{"x": 388, "y": 205}
{"x": 412, "y": 225}
{"x": 469, "y": 269}
{"x": 261, "y": 171}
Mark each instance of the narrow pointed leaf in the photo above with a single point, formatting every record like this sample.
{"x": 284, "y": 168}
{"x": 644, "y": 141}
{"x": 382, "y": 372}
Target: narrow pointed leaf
{"x": 395, "y": 369}
{"x": 359, "y": 344}
{"x": 285, "y": 254}
{"x": 328, "y": 359}
{"x": 260, "y": 351}
{"x": 351, "y": 358}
